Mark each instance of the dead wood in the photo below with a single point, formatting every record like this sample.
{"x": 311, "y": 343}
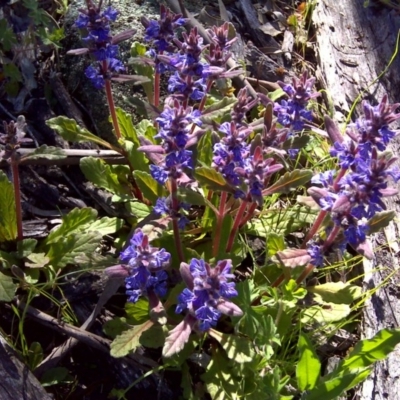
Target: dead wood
{"x": 354, "y": 45}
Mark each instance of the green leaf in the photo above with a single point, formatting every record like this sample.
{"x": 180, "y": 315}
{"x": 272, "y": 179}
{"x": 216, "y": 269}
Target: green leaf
{"x": 136, "y": 158}
{"x": 308, "y": 367}
{"x": 237, "y": 348}
{"x": 128, "y": 341}
{"x": 217, "y": 110}
{"x": 276, "y": 94}
{"x": 105, "y": 225}
{"x": 191, "y": 197}
{"x": 337, "y": 292}
{"x": 139, "y": 210}
{"x": 153, "y": 338}
{"x": 72, "y": 222}
{"x": 212, "y": 179}
{"x": 7, "y": 36}
{"x": 7, "y": 287}
{"x": 54, "y": 376}
{"x": 137, "y": 313}
{"x": 26, "y": 247}
{"x": 326, "y": 313}
{"x": 204, "y": 149}
{"x": 36, "y": 260}
{"x": 368, "y": 351}
{"x": 289, "y": 181}
{"x": 35, "y": 355}
{"x": 126, "y": 127}
{"x": 102, "y": 175}
{"x": 331, "y": 389}
{"x": 46, "y": 152}
{"x": 296, "y": 142}
{"x": 146, "y": 128}
{"x": 150, "y": 188}
{"x": 137, "y": 50}
{"x": 8, "y": 219}
{"x": 275, "y": 243}
{"x": 226, "y": 229}
{"x": 64, "y": 251}
{"x": 71, "y": 131}
{"x": 380, "y": 220}
{"x": 115, "y": 327}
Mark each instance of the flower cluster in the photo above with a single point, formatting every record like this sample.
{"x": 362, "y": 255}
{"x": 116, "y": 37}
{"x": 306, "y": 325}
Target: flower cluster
{"x": 293, "y": 113}
{"x": 357, "y": 192}
{"x": 208, "y": 289}
{"x": 241, "y": 163}
{"x": 100, "y": 44}
{"x": 146, "y": 267}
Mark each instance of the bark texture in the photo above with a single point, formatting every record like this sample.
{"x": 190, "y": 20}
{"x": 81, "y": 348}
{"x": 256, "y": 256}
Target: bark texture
{"x": 16, "y": 381}
{"x": 354, "y": 45}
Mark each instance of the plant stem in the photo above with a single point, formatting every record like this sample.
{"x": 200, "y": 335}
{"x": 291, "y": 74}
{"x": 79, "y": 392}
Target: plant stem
{"x": 110, "y": 101}
{"x": 249, "y": 215}
{"x": 175, "y": 206}
{"x": 317, "y": 223}
{"x": 236, "y": 225}
{"x": 17, "y": 195}
{"x": 156, "y": 95}
{"x": 220, "y": 220}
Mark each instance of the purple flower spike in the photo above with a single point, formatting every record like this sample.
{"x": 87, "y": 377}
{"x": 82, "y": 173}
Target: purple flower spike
{"x": 145, "y": 265}
{"x": 207, "y": 292}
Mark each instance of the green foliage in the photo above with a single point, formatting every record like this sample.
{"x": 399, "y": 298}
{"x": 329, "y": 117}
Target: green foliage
{"x": 7, "y": 287}
{"x": 8, "y": 219}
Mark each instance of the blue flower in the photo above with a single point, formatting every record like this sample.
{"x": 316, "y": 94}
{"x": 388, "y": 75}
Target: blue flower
{"x": 209, "y": 289}
{"x": 324, "y": 178}
{"x": 95, "y": 77}
{"x": 316, "y": 253}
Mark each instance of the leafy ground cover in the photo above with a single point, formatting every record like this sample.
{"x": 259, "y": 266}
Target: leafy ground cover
{"x": 225, "y": 261}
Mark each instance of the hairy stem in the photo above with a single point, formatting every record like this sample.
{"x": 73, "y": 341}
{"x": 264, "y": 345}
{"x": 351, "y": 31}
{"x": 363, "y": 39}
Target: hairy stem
{"x": 175, "y": 207}
{"x": 236, "y": 225}
{"x": 220, "y": 220}
{"x": 17, "y": 195}
{"x": 111, "y": 105}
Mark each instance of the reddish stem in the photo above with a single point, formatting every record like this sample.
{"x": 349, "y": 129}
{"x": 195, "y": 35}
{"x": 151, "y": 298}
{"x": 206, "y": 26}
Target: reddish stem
{"x": 110, "y": 101}
{"x": 175, "y": 206}
{"x": 249, "y": 215}
{"x": 236, "y": 225}
{"x": 313, "y": 230}
{"x": 156, "y": 95}
{"x": 17, "y": 196}
{"x": 220, "y": 220}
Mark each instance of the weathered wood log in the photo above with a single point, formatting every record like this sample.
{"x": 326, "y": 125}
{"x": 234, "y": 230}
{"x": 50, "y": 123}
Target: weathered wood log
{"x": 16, "y": 381}
{"x": 354, "y": 46}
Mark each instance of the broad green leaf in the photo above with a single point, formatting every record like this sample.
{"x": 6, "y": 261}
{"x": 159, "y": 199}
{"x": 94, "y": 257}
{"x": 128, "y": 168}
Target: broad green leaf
{"x": 71, "y": 131}
{"x": 326, "y": 313}
{"x": 276, "y": 94}
{"x": 47, "y": 152}
{"x": 26, "y": 247}
{"x": 105, "y": 225}
{"x": 308, "y": 367}
{"x": 137, "y": 50}
{"x": 102, "y": 175}
{"x": 281, "y": 221}
{"x": 72, "y": 222}
{"x": 35, "y": 355}
{"x": 137, "y": 313}
{"x": 275, "y": 243}
{"x": 217, "y": 110}
{"x": 8, "y": 219}
{"x": 128, "y": 340}
{"x": 146, "y": 128}
{"x": 153, "y": 338}
{"x": 54, "y": 376}
{"x": 126, "y": 127}
{"x": 289, "y": 181}
{"x": 191, "y": 197}
{"x": 212, "y": 179}
{"x": 337, "y": 292}
{"x": 331, "y": 389}
{"x": 237, "y": 348}
{"x": 7, "y": 287}
{"x": 137, "y": 159}
{"x": 150, "y": 188}
{"x": 36, "y": 260}
{"x": 115, "y": 327}
{"x": 297, "y": 142}
{"x": 64, "y": 251}
{"x": 139, "y": 210}
{"x": 368, "y": 351}
{"x": 204, "y": 149}
{"x": 380, "y": 220}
